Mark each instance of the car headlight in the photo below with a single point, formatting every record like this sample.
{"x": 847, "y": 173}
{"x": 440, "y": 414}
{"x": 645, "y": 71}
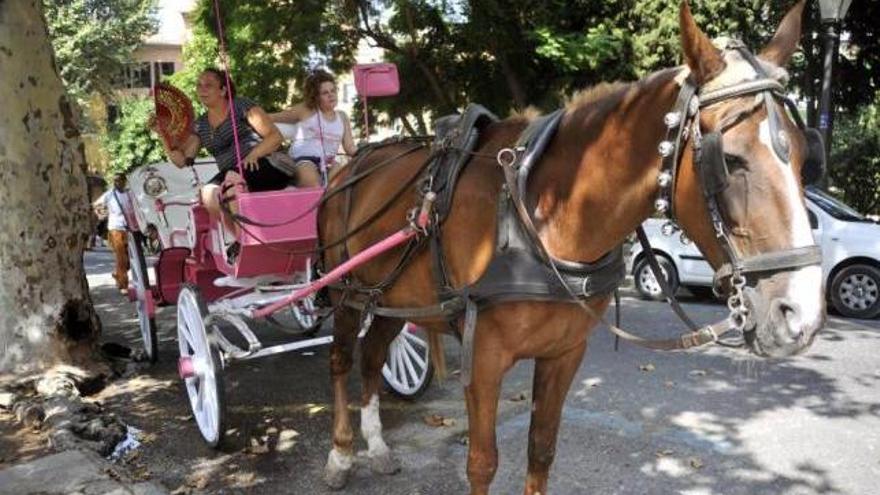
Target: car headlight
{"x": 154, "y": 186}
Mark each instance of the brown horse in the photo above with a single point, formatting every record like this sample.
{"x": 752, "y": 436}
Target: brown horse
{"x": 596, "y": 182}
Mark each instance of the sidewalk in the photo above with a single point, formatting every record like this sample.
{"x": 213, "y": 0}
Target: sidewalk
{"x": 71, "y": 472}
{"x": 74, "y": 471}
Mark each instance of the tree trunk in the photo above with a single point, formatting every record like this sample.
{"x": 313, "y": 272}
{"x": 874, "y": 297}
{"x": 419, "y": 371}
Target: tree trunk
{"x": 46, "y": 314}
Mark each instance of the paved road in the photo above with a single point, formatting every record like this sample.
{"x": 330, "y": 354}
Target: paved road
{"x": 636, "y": 422}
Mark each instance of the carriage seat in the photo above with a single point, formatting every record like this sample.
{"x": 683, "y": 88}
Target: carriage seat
{"x": 278, "y": 231}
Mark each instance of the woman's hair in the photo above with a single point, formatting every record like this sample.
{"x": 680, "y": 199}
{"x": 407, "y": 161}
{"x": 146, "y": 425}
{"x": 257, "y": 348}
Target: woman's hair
{"x": 313, "y": 87}
{"x": 221, "y": 76}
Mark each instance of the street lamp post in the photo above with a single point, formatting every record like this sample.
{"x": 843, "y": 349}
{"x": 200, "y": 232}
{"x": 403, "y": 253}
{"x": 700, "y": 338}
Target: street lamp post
{"x": 831, "y": 12}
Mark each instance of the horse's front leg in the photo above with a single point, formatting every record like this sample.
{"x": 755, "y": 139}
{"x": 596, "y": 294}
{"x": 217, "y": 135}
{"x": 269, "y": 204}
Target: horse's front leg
{"x": 341, "y": 458}
{"x": 373, "y": 356}
{"x": 552, "y": 380}
{"x": 490, "y": 364}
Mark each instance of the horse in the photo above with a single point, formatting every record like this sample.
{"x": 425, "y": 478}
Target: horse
{"x": 599, "y": 177}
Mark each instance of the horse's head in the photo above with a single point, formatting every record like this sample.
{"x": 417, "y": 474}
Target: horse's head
{"x": 737, "y": 190}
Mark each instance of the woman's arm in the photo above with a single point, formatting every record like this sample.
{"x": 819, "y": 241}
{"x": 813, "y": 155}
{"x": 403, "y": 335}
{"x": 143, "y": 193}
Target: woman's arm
{"x": 347, "y": 139}
{"x": 291, "y": 115}
{"x": 265, "y": 127}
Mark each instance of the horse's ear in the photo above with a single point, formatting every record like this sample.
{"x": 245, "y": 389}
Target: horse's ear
{"x": 700, "y": 54}
{"x": 785, "y": 41}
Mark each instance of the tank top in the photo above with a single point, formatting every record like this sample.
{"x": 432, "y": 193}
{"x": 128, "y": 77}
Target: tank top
{"x": 307, "y": 139}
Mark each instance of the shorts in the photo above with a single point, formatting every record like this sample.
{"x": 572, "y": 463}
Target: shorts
{"x": 264, "y": 178}
{"x": 314, "y": 159}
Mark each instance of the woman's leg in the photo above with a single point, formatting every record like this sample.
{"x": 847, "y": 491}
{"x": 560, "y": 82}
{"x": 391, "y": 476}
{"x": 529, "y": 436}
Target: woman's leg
{"x": 307, "y": 174}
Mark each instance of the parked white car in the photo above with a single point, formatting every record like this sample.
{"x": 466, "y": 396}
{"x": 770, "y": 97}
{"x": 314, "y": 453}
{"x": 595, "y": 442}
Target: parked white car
{"x": 850, "y": 245}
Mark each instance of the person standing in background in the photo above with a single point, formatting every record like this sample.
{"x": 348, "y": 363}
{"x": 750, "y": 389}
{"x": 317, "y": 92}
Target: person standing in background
{"x": 117, "y": 204}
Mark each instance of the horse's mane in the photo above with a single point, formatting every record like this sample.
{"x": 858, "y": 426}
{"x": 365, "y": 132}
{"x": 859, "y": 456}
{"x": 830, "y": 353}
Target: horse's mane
{"x": 591, "y": 95}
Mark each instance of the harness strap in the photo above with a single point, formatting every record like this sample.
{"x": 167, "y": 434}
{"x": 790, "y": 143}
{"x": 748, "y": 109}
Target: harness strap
{"x": 467, "y": 341}
{"x": 695, "y": 338}
{"x": 661, "y": 279}
{"x": 741, "y": 89}
{"x": 774, "y": 261}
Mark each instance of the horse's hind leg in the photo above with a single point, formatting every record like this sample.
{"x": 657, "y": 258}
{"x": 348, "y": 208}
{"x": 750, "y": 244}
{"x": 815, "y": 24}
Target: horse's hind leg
{"x": 340, "y": 459}
{"x": 373, "y": 356}
{"x": 552, "y": 380}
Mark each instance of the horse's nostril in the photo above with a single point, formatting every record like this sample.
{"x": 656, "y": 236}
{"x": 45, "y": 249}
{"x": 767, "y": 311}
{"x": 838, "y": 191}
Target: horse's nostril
{"x": 790, "y": 313}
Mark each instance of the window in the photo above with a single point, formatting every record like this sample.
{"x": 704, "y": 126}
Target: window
{"x": 144, "y": 74}
{"x": 162, "y": 69}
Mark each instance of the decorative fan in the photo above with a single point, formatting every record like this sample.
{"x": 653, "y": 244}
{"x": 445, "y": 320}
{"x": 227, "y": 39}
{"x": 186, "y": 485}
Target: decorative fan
{"x": 174, "y": 114}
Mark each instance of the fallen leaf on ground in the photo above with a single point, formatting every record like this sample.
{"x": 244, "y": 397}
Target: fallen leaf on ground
{"x": 519, "y": 397}
{"x": 696, "y": 462}
{"x": 436, "y": 420}
{"x": 647, "y": 367}
{"x": 315, "y": 409}
{"x": 664, "y": 452}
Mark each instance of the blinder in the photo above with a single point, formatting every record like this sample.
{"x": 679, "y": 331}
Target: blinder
{"x": 814, "y": 167}
{"x": 713, "y": 168}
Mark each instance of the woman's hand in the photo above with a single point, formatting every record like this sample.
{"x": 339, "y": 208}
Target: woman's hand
{"x": 251, "y": 161}
{"x": 177, "y": 158}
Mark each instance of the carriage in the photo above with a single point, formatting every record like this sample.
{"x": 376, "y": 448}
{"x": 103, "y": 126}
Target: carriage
{"x": 220, "y": 293}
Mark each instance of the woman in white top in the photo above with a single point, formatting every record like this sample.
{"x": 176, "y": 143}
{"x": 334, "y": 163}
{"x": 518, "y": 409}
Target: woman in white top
{"x": 320, "y": 131}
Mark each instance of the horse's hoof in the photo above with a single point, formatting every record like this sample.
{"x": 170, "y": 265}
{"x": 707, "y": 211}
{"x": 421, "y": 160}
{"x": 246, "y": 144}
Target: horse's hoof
{"x": 336, "y": 478}
{"x": 337, "y": 470}
{"x": 384, "y": 464}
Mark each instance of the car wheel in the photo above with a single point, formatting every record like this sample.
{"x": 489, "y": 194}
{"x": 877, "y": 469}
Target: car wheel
{"x": 645, "y": 282}
{"x": 855, "y": 291}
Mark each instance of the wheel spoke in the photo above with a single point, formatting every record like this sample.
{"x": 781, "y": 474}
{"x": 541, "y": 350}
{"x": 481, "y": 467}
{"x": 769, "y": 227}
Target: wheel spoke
{"x": 414, "y": 354}
{"x": 413, "y": 338}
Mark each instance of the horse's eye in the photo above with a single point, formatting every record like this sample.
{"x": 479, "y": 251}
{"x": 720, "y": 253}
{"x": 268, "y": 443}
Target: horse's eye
{"x": 734, "y": 162}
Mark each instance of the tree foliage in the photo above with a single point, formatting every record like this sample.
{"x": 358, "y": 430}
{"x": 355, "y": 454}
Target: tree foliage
{"x": 94, "y": 39}
{"x": 506, "y": 55}
{"x": 128, "y": 142}
{"x": 855, "y": 159}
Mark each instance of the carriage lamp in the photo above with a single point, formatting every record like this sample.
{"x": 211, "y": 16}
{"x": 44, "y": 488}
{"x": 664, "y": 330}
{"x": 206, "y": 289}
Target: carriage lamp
{"x": 154, "y": 186}
{"x": 831, "y": 12}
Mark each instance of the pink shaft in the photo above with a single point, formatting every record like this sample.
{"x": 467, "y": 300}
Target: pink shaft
{"x": 371, "y": 252}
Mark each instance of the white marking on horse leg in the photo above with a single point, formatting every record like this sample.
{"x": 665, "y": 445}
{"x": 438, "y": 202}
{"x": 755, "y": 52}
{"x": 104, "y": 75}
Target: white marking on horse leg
{"x": 371, "y": 428}
{"x": 804, "y": 284}
{"x": 339, "y": 461}
{"x": 338, "y": 468}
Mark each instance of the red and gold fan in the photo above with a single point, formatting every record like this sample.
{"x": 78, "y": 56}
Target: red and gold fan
{"x": 174, "y": 114}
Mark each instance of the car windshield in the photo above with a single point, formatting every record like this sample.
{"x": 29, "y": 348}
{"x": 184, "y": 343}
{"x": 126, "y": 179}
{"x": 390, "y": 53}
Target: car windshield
{"x": 834, "y": 207}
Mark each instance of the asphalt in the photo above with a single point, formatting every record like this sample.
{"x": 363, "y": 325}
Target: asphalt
{"x": 704, "y": 422}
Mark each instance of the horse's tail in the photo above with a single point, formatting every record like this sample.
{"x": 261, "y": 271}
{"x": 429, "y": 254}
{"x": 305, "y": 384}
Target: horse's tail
{"x": 438, "y": 357}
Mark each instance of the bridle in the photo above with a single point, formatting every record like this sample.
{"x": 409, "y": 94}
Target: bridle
{"x": 683, "y": 123}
